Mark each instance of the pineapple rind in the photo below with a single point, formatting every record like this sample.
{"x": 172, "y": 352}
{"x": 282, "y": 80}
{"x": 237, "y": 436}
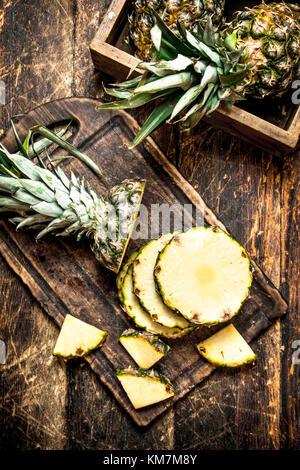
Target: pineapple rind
{"x": 144, "y": 284}
{"x": 228, "y": 337}
{"x": 132, "y": 223}
{"x": 257, "y": 54}
{"x": 194, "y": 317}
{"x": 122, "y": 273}
{"x": 154, "y": 340}
{"x": 77, "y": 338}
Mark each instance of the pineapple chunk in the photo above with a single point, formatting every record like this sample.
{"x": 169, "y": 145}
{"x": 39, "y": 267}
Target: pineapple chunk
{"x": 144, "y": 348}
{"x": 226, "y": 348}
{"x": 77, "y": 338}
{"x": 145, "y": 387}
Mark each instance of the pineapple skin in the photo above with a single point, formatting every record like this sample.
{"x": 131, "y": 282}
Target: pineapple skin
{"x": 140, "y": 317}
{"x": 156, "y": 312}
{"x": 147, "y": 387}
{"x": 270, "y": 34}
{"x": 190, "y": 12}
{"x": 125, "y": 200}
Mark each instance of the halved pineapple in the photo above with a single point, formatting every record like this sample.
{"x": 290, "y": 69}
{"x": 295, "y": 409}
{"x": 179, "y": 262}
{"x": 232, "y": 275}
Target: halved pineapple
{"x": 77, "y": 338}
{"x": 145, "y": 387}
{"x": 204, "y": 274}
{"x": 226, "y": 348}
{"x": 140, "y": 317}
{"x": 144, "y": 348}
{"x": 144, "y": 284}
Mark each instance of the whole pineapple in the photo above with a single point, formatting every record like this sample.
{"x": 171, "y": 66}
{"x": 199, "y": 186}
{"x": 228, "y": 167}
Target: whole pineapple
{"x": 48, "y": 201}
{"x": 190, "y": 12}
{"x": 270, "y": 35}
{"x": 257, "y": 54}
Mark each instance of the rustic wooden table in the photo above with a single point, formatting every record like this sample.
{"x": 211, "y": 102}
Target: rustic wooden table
{"x": 45, "y": 56}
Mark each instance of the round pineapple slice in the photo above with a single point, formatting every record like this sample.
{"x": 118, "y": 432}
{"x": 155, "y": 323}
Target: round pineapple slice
{"x": 145, "y": 387}
{"x": 145, "y": 348}
{"x": 77, "y": 338}
{"x": 204, "y": 274}
{"x": 140, "y": 317}
{"x": 226, "y": 348}
{"x": 144, "y": 284}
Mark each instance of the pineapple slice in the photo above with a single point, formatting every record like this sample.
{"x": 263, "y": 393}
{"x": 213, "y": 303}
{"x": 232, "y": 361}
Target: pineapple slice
{"x": 77, "y": 338}
{"x": 226, "y": 348}
{"x": 144, "y": 284}
{"x": 144, "y": 348}
{"x": 204, "y": 274}
{"x": 122, "y": 274}
{"x": 141, "y": 318}
{"x": 145, "y": 387}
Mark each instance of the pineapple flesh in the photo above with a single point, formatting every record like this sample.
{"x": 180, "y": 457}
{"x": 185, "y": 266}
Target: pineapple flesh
{"x": 226, "y": 348}
{"x": 140, "y": 317}
{"x": 191, "y": 13}
{"x": 145, "y": 348}
{"x": 77, "y": 338}
{"x": 144, "y": 284}
{"x": 204, "y": 274}
{"x": 145, "y": 387}
{"x": 256, "y": 55}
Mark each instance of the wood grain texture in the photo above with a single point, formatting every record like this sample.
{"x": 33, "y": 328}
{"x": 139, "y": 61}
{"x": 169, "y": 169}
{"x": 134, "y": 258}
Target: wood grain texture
{"x": 230, "y": 175}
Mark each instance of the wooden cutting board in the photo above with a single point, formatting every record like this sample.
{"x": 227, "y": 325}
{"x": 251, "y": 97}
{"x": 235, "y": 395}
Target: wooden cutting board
{"x": 64, "y": 276}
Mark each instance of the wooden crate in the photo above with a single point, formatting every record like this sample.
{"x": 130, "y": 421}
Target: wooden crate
{"x": 112, "y": 55}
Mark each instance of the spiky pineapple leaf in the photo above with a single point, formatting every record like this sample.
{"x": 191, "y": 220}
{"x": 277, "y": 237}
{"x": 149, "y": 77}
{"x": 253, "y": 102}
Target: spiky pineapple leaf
{"x": 157, "y": 117}
{"x": 42, "y": 130}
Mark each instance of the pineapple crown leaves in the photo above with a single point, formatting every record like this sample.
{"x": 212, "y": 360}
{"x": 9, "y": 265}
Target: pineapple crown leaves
{"x": 47, "y": 200}
{"x": 194, "y": 72}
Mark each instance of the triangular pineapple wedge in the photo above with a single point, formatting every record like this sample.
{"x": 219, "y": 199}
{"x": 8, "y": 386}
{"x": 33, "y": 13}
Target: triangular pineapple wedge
{"x": 77, "y": 338}
{"x": 145, "y": 387}
{"x": 226, "y": 348}
{"x": 144, "y": 348}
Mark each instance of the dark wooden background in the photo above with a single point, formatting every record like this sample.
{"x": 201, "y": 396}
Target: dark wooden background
{"x": 44, "y": 56}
